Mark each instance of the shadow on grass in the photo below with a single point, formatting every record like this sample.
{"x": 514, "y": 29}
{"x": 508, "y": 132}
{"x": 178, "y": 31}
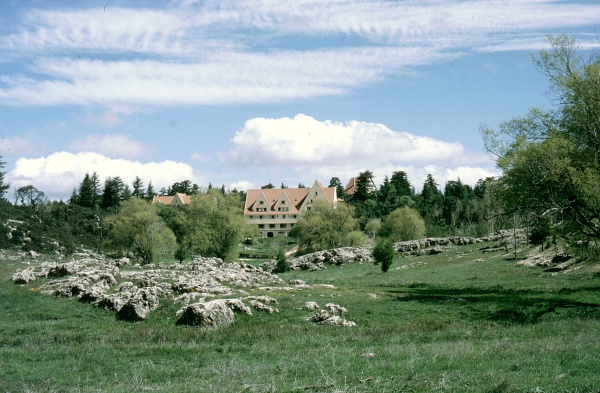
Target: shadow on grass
{"x": 501, "y": 305}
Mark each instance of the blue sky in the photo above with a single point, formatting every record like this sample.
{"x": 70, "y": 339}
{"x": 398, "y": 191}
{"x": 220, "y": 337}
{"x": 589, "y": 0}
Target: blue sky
{"x": 243, "y": 93}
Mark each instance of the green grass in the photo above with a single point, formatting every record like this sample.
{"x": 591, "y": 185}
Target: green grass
{"x": 449, "y": 323}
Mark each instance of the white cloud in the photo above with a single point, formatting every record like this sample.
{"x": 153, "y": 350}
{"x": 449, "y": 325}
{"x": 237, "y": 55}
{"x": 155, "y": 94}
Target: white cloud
{"x": 269, "y": 77}
{"x": 227, "y": 52}
{"x": 200, "y": 157}
{"x": 242, "y": 185}
{"x": 101, "y": 30}
{"x": 59, "y": 173}
{"x": 114, "y": 146}
{"x": 323, "y": 149}
{"x": 303, "y": 140}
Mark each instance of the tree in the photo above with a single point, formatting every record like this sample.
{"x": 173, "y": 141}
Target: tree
{"x": 115, "y": 191}
{"x": 31, "y": 196}
{"x": 324, "y": 227}
{"x": 3, "y": 185}
{"x": 384, "y": 253}
{"x": 283, "y": 265}
{"x": 339, "y": 187}
{"x": 138, "y": 228}
{"x": 138, "y": 188}
{"x": 269, "y": 186}
{"x": 150, "y": 193}
{"x": 550, "y": 160}
{"x": 403, "y": 224}
{"x": 364, "y": 186}
{"x": 216, "y": 224}
{"x": 373, "y": 227}
{"x": 89, "y": 191}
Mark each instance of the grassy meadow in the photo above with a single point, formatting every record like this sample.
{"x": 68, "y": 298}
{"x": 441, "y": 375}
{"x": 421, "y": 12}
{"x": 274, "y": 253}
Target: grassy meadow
{"x": 460, "y": 321}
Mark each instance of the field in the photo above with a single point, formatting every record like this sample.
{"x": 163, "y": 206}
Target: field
{"x": 460, "y": 321}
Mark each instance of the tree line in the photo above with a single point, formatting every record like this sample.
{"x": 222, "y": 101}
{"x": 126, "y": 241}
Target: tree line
{"x": 119, "y": 218}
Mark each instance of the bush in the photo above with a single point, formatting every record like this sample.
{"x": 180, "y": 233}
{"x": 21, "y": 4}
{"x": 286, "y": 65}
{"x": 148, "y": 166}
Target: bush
{"x": 384, "y": 253}
{"x": 282, "y": 263}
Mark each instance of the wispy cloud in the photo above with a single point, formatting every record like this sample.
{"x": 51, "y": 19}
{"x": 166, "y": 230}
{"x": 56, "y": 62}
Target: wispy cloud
{"x": 114, "y": 146}
{"x": 230, "y": 52}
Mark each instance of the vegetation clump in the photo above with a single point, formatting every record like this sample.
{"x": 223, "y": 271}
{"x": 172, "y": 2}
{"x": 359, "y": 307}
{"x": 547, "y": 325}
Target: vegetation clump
{"x": 384, "y": 253}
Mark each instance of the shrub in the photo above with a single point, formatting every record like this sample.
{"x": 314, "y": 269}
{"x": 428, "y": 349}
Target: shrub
{"x": 282, "y": 263}
{"x": 384, "y": 253}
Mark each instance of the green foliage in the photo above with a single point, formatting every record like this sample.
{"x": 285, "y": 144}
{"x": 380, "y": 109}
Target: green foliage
{"x": 403, "y": 224}
{"x": 384, "y": 253}
{"x": 216, "y": 225}
{"x": 31, "y": 196}
{"x": 138, "y": 228}
{"x": 550, "y": 160}
{"x": 283, "y": 265}
{"x": 324, "y": 227}
{"x": 373, "y": 227}
{"x": 3, "y": 185}
{"x": 89, "y": 191}
{"x": 540, "y": 231}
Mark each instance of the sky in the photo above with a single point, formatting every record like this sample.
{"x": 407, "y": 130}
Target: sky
{"x": 245, "y": 93}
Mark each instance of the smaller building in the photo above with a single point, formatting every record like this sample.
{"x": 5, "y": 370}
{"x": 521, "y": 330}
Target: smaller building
{"x": 275, "y": 211}
{"x": 352, "y": 186}
{"x": 178, "y": 199}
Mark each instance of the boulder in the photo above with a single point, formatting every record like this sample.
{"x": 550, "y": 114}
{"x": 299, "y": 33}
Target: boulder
{"x": 323, "y": 317}
{"x": 311, "y": 305}
{"x": 336, "y": 309}
{"x": 140, "y": 304}
{"x": 24, "y": 276}
{"x": 208, "y": 315}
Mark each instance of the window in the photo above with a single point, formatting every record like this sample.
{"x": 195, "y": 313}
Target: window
{"x": 261, "y": 202}
{"x": 272, "y": 226}
{"x": 282, "y": 225}
{"x": 261, "y": 226}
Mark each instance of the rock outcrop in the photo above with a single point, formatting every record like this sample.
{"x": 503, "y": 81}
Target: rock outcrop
{"x": 209, "y": 315}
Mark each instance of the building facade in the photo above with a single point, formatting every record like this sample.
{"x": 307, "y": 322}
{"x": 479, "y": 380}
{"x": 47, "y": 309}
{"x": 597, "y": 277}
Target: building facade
{"x": 275, "y": 211}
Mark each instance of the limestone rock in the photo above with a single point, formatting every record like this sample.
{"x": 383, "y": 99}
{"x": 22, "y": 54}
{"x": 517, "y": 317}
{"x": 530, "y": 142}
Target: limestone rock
{"x": 24, "y": 276}
{"x": 311, "y": 305}
{"x": 207, "y": 315}
{"x": 140, "y": 304}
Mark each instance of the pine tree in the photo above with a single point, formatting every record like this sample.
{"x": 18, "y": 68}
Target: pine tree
{"x": 138, "y": 188}
{"x": 3, "y": 186}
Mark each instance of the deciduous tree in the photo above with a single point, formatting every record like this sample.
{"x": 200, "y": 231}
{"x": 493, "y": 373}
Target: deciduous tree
{"x": 550, "y": 160}
{"x": 403, "y": 224}
{"x": 138, "y": 228}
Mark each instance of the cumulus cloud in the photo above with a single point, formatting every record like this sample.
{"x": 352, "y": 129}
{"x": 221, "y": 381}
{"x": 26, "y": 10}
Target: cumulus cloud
{"x": 114, "y": 146}
{"x": 59, "y": 173}
{"x": 325, "y": 149}
{"x": 303, "y": 140}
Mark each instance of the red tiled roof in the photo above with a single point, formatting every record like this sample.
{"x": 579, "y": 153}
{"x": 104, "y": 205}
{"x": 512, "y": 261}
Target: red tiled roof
{"x": 296, "y": 196}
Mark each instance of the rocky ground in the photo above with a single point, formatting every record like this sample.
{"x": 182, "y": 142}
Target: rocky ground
{"x": 208, "y": 290}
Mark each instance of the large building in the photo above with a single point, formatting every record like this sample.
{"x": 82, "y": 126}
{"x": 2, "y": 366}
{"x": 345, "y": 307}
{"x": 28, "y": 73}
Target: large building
{"x": 275, "y": 211}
